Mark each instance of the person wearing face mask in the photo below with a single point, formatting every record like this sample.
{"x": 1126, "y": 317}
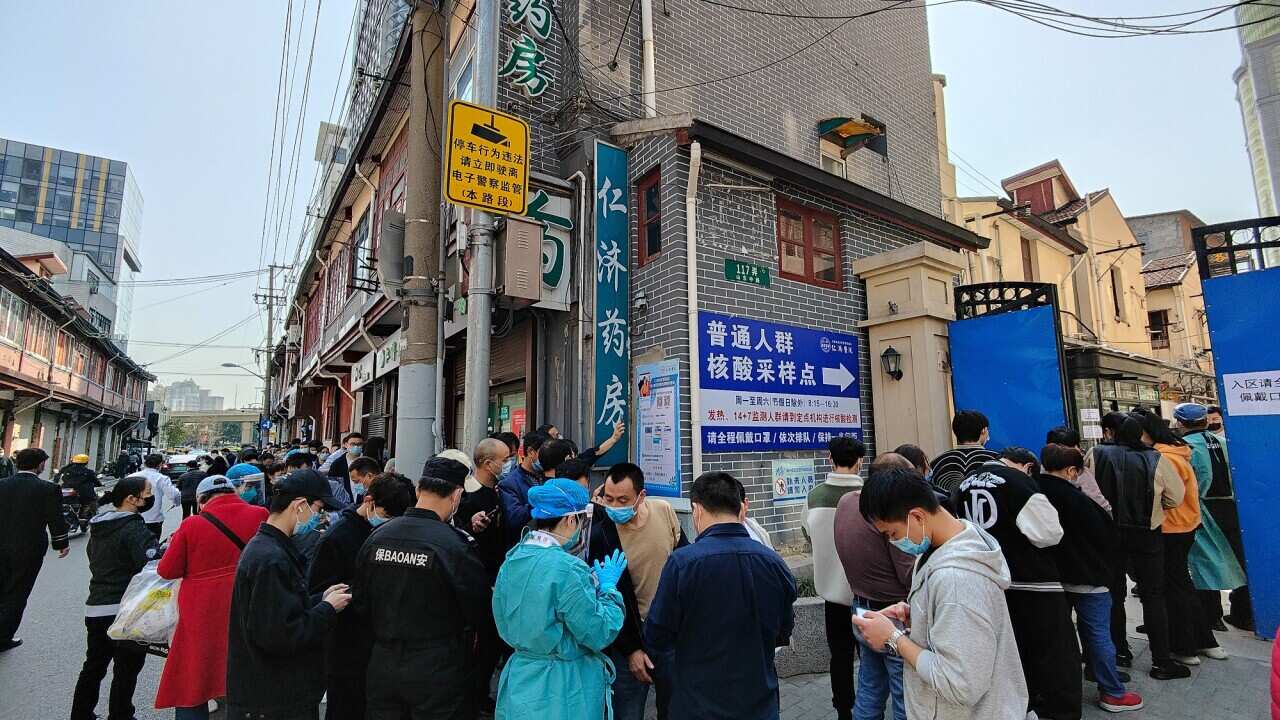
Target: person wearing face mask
{"x": 30, "y": 519}
{"x": 167, "y": 496}
{"x": 960, "y": 654}
{"x": 1003, "y": 498}
{"x": 513, "y": 488}
{"x": 724, "y": 604}
{"x": 648, "y": 531}
{"x": 348, "y": 645}
{"x": 120, "y": 544}
{"x": 361, "y": 472}
{"x": 275, "y": 659}
{"x": 338, "y": 464}
{"x": 555, "y": 615}
{"x": 203, "y": 553}
{"x": 1213, "y": 421}
{"x": 423, "y": 591}
{"x": 480, "y": 514}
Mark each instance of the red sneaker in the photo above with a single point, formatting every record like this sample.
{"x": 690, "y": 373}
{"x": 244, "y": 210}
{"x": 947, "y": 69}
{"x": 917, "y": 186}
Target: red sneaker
{"x": 1125, "y": 703}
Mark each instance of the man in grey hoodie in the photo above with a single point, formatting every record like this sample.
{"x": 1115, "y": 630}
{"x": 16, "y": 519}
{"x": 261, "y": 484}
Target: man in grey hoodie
{"x": 962, "y": 660}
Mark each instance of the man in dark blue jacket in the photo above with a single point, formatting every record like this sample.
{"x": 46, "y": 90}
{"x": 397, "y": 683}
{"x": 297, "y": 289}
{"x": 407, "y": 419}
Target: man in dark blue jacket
{"x": 513, "y": 488}
{"x": 723, "y": 605}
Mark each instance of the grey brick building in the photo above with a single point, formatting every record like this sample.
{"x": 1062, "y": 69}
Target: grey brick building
{"x": 744, "y": 91}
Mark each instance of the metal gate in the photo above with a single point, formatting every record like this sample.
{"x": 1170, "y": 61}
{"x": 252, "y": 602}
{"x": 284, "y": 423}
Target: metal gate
{"x": 1236, "y": 262}
{"x": 1007, "y": 360}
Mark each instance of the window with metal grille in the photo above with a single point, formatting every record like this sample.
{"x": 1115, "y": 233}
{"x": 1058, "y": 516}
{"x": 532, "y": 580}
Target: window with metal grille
{"x": 1158, "y": 326}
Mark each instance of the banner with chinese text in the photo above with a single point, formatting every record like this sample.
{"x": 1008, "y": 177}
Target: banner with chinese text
{"x": 768, "y": 386}
{"x": 613, "y": 305}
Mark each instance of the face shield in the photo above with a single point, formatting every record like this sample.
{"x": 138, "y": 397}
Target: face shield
{"x": 579, "y": 543}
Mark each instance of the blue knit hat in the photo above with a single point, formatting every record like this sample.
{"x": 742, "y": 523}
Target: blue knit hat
{"x": 556, "y": 498}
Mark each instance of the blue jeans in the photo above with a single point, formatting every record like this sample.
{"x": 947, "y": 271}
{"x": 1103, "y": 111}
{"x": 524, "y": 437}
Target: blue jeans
{"x": 629, "y": 694}
{"x": 199, "y": 712}
{"x": 879, "y": 678}
{"x": 1093, "y": 622}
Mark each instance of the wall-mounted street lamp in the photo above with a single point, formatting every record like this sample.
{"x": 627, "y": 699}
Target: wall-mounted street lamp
{"x": 891, "y": 363}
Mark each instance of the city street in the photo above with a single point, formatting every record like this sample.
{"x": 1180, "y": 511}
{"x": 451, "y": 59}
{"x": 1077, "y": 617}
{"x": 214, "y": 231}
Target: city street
{"x": 37, "y": 679}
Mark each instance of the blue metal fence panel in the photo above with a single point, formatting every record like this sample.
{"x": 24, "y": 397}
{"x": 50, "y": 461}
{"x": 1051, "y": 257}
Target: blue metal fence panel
{"x": 1007, "y": 366}
{"x": 1243, "y": 333}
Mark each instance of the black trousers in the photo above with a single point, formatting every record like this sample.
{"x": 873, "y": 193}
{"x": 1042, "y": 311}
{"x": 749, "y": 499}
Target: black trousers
{"x": 346, "y": 697}
{"x": 234, "y": 711}
{"x": 1144, "y": 556}
{"x": 1188, "y": 630}
{"x": 843, "y": 651}
{"x": 126, "y": 658}
{"x": 489, "y": 647}
{"x": 189, "y": 508}
{"x": 18, "y": 574}
{"x": 418, "y": 683}
{"x": 1224, "y": 512}
{"x": 1049, "y": 651}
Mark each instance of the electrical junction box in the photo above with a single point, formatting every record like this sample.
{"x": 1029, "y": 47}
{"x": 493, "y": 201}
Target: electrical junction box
{"x": 520, "y": 260}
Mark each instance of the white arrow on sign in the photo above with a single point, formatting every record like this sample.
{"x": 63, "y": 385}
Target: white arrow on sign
{"x": 837, "y": 376}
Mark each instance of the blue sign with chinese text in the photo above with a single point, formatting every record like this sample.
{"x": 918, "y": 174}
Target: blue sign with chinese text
{"x": 613, "y": 306}
{"x": 768, "y": 386}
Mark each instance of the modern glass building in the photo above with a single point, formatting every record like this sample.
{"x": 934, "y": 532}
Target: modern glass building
{"x": 90, "y": 203}
{"x": 1258, "y": 92}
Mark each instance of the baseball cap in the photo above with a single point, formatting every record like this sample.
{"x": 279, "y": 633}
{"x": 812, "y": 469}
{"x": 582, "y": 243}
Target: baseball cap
{"x": 214, "y": 482}
{"x": 1190, "y": 412}
{"x": 307, "y": 483}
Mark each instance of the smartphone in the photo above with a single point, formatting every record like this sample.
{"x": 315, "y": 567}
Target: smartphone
{"x": 862, "y": 613}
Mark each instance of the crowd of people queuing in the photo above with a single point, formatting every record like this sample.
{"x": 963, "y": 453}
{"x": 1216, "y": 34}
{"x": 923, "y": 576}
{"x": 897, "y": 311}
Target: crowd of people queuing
{"x": 309, "y": 574}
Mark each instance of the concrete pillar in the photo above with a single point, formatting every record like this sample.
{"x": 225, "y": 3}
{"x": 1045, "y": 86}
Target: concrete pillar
{"x": 909, "y": 303}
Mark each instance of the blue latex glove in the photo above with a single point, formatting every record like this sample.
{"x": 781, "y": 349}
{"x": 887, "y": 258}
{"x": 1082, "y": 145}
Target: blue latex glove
{"x": 609, "y": 571}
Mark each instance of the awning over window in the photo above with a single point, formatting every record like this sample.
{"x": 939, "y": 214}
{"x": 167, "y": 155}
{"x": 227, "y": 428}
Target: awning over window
{"x": 850, "y": 134}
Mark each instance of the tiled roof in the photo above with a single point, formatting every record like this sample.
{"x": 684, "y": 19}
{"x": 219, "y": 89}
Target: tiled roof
{"x": 1074, "y": 208}
{"x": 1167, "y": 271}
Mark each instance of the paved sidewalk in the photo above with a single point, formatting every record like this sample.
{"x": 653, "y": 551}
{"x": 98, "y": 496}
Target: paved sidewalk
{"x": 1217, "y": 689}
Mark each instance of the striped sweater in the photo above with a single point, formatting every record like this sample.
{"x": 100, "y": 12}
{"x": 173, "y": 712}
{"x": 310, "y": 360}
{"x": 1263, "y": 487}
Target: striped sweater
{"x": 819, "y": 521}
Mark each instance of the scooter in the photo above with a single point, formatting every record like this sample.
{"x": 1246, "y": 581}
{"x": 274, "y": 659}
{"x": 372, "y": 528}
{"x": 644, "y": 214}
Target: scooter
{"x": 73, "y": 512}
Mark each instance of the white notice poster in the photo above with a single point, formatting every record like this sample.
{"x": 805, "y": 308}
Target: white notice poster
{"x": 1252, "y": 393}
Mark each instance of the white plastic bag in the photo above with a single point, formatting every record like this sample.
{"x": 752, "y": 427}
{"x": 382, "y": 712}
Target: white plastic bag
{"x": 148, "y": 609}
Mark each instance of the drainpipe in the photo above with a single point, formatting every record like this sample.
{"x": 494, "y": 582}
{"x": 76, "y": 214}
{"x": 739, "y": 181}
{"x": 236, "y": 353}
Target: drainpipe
{"x": 442, "y": 349}
{"x": 647, "y": 80}
{"x": 691, "y": 266}
{"x": 338, "y": 380}
{"x": 579, "y": 178}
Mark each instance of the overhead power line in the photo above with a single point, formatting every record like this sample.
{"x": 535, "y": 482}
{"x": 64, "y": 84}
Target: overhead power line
{"x": 216, "y": 336}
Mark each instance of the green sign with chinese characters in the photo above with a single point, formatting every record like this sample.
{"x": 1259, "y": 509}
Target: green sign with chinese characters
{"x": 746, "y": 273}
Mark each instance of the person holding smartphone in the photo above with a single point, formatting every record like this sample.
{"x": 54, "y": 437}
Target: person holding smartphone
{"x": 954, "y": 633}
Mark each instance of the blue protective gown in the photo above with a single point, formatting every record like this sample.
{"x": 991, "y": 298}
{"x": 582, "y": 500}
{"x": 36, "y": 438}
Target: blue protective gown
{"x": 547, "y": 608}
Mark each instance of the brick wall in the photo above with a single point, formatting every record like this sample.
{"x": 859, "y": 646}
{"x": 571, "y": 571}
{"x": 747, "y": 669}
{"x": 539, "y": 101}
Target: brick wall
{"x": 741, "y": 224}
{"x": 878, "y": 65}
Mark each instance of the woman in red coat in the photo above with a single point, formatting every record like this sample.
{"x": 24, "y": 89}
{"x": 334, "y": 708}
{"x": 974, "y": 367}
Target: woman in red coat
{"x": 204, "y": 555}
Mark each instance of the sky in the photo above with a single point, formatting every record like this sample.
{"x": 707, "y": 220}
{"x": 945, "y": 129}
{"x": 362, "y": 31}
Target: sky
{"x": 185, "y": 92}
{"x": 1153, "y": 119}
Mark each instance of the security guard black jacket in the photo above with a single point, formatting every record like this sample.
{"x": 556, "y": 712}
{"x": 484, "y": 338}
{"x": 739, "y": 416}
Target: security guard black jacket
{"x": 275, "y": 648}
{"x": 419, "y": 582}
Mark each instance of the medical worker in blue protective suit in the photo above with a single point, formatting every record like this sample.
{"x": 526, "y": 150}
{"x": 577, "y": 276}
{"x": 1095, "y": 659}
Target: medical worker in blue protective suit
{"x": 557, "y": 613}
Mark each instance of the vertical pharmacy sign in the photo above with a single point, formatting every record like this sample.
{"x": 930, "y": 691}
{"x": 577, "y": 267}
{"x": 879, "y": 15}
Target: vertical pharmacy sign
{"x": 612, "y": 316}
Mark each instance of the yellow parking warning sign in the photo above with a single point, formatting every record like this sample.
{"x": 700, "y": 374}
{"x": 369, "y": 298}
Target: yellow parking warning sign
{"x": 488, "y": 164}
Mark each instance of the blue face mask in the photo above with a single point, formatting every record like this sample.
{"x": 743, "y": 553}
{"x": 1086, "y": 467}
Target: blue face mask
{"x": 375, "y": 520}
{"x": 355, "y": 450}
{"x": 537, "y": 468}
{"x": 357, "y": 489}
{"x": 573, "y": 539}
{"x": 307, "y": 526}
{"x": 250, "y": 495}
{"x": 622, "y": 515}
{"x": 906, "y": 545}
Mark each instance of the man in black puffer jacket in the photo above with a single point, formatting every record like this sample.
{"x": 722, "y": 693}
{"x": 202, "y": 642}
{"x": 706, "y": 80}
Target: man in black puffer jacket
{"x": 79, "y": 477}
{"x": 275, "y": 647}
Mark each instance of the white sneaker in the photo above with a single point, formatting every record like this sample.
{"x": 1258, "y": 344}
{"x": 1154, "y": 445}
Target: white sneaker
{"x": 1186, "y": 659}
{"x": 1215, "y": 653}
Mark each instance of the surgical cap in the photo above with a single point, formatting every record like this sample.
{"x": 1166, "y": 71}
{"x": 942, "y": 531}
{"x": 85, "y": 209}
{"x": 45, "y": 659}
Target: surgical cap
{"x": 556, "y": 498}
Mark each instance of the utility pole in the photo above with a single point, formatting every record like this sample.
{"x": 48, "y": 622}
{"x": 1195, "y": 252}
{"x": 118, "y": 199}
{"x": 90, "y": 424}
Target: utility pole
{"x": 415, "y": 406}
{"x": 480, "y": 239}
{"x": 270, "y": 301}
